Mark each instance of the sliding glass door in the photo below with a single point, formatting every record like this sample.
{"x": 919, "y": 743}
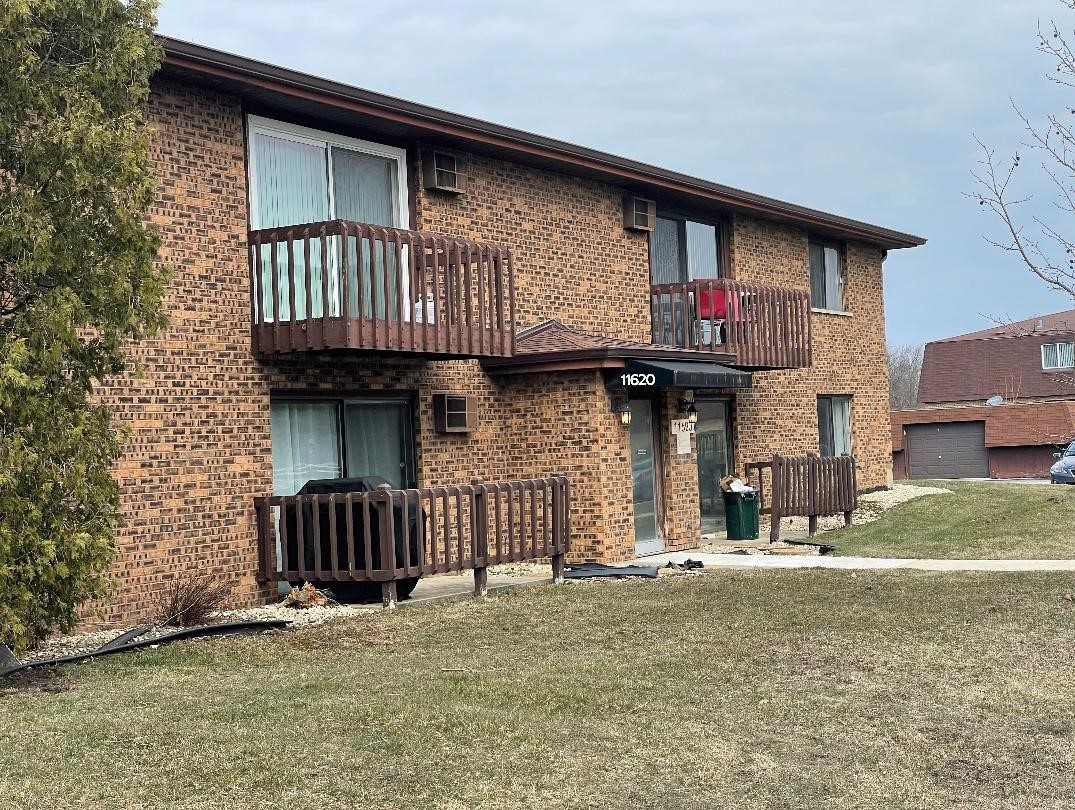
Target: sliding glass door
{"x": 301, "y": 176}
{"x": 344, "y": 438}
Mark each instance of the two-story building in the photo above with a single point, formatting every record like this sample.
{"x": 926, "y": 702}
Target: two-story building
{"x": 996, "y": 403}
{"x": 368, "y": 286}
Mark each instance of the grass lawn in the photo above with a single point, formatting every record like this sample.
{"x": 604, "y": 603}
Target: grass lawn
{"x": 984, "y": 521}
{"x": 774, "y": 689}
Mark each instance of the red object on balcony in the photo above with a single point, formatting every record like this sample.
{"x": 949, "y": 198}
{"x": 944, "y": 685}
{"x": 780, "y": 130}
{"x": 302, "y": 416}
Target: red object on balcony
{"x": 713, "y": 304}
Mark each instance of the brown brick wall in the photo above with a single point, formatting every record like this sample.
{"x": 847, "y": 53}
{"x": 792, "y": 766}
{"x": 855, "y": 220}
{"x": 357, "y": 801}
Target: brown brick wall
{"x": 574, "y": 260}
{"x": 679, "y": 481}
{"x": 849, "y": 355}
{"x": 198, "y": 451}
{"x": 200, "y": 446}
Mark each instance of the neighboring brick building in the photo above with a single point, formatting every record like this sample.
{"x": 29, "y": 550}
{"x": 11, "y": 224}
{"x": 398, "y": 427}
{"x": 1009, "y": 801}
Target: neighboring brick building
{"x": 1027, "y": 369}
{"x": 615, "y": 268}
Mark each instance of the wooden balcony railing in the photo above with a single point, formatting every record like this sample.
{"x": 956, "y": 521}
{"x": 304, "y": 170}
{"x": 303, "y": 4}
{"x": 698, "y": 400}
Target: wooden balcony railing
{"x": 764, "y": 326}
{"x": 393, "y": 534}
{"x": 348, "y": 285}
{"x": 808, "y": 486}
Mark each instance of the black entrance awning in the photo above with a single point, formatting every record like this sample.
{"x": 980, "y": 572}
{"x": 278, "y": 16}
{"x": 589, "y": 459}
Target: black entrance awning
{"x": 648, "y": 374}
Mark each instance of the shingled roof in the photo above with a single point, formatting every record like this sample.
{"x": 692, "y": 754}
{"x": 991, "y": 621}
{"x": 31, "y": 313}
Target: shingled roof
{"x": 553, "y": 343}
{"x": 1057, "y": 323}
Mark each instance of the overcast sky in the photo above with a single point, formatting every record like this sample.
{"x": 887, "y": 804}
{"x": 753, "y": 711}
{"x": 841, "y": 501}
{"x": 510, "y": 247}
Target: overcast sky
{"x": 859, "y": 107}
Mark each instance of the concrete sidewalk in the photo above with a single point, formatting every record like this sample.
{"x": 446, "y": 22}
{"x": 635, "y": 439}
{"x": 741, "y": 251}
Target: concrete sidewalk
{"x": 853, "y": 563}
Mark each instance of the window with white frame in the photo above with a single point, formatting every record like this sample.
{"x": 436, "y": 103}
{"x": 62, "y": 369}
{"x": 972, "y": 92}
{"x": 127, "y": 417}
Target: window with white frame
{"x": 302, "y": 176}
{"x": 834, "y": 425}
{"x": 1058, "y": 355}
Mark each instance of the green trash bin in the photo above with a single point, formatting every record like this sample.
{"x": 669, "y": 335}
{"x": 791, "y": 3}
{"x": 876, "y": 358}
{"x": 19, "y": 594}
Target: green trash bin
{"x": 741, "y": 509}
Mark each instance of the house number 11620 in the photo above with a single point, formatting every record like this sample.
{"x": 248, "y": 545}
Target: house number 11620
{"x": 628, "y": 380}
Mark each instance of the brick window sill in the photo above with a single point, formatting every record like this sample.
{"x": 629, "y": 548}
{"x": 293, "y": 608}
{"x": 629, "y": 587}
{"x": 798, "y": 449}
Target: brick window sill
{"x": 842, "y": 313}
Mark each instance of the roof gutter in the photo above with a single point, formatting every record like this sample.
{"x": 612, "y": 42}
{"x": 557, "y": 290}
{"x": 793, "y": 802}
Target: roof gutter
{"x": 211, "y": 62}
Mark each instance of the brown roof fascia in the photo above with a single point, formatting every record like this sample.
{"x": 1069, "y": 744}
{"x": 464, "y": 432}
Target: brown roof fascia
{"x": 209, "y": 61}
{"x": 596, "y": 358}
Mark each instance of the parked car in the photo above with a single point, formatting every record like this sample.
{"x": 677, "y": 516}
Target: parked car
{"x": 1063, "y": 471}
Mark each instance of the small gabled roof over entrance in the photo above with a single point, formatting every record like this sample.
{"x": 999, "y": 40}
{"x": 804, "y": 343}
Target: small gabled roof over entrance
{"x": 552, "y": 346}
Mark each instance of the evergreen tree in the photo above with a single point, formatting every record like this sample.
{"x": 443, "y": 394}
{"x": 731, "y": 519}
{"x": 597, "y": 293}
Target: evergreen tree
{"x": 77, "y": 280}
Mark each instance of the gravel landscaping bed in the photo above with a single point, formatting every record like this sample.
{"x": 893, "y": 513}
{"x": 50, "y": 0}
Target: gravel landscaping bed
{"x": 299, "y": 617}
{"x": 521, "y": 569}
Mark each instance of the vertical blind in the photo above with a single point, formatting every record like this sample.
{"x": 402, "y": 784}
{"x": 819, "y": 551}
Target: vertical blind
{"x": 1058, "y": 355}
{"x": 291, "y": 179}
{"x": 684, "y": 250}
{"x": 297, "y": 182}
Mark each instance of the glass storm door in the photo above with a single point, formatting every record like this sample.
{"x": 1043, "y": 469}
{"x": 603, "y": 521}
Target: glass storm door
{"x": 644, "y": 479}
{"x": 715, "y": 459}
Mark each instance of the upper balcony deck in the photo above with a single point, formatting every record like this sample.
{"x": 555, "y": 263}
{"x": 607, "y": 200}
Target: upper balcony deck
{"x": 762, "y": 325}
{"x": 349, "y": 285}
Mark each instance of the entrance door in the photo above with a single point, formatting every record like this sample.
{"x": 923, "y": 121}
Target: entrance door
{"x": 644, "y": 478}
{"x": 715, "y": 459}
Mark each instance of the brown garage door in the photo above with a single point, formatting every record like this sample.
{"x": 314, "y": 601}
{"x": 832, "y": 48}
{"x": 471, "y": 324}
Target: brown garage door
{"x": 947, "y": 450}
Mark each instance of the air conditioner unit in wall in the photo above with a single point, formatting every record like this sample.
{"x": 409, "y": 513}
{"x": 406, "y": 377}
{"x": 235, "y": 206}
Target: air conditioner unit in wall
{"x": 639, "y": 214}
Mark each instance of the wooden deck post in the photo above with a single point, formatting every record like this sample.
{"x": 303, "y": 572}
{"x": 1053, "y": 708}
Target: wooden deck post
{"x": 479, "y": 536}
{"x": 557, "y": 569}
{"x": 386, "y": 528}
{"x": 388, "y": 594}
{"x": 559, "y": 530}
{"x": 778, "y": 498}
{"x": 481, "y": 581}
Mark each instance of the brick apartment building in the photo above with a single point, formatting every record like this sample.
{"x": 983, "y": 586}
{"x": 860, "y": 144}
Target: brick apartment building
{"x": 1025, "y": 370}
{"x": 308, "y": 341}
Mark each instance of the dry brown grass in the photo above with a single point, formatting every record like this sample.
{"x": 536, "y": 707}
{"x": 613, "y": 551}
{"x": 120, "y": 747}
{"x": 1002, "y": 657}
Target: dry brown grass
{"x": 774, "y": 689}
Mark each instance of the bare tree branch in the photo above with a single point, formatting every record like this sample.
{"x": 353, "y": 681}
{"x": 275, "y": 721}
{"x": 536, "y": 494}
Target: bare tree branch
{"x": 1039, "y": 243}
{"x": 904, "y": 370}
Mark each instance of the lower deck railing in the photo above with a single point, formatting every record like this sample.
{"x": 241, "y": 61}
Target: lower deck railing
{"x": 395, "y": 534}
{"x": 806, "y": 486}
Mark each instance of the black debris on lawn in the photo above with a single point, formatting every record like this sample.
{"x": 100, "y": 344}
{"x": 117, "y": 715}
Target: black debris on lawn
{"x": 593, "y": 570}
{"x": 687, "y": 565}
{"x": 127, "y": 642}
{"x": 822, "y": 548}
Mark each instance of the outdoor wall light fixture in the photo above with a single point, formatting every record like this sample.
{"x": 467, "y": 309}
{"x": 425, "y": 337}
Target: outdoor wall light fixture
{"x": 622, "y": 407}
{"x": 687, "y": 408}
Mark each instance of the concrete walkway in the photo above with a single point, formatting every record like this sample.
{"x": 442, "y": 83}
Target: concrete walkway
{"x": 452, "y": 587}
{"x": 853, "y": 563}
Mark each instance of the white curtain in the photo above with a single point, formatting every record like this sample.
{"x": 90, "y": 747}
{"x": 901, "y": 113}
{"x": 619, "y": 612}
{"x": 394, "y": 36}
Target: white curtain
{"x": 377, "y": 433}
{"x": 841, "y": 426}
{"x": 305, "y": 444}
{"x": 834, "y": 280}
